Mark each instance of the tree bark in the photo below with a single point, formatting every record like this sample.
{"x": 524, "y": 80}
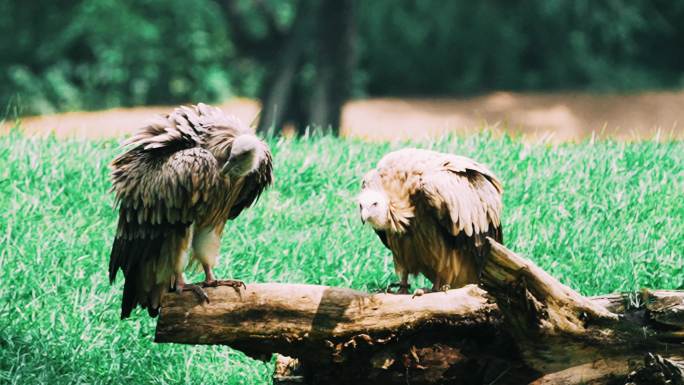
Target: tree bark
{"x": 526, "y": 328}
{"x": 249, "y": 45}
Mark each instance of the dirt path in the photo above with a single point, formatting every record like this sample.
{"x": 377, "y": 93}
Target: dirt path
{"x": 555, "y": 117}
{"x": 115, "y": 122}
{"x": 558, "y": 117}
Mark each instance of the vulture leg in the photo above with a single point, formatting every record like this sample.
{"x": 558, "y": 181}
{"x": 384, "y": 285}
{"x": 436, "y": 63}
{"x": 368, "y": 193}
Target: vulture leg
{"x": 435, "y": 285}
{"x": 211, "y": 281}
{"x": 208, "y": 274}
{"x": 179, "y": 246}
{"x": 403, "y": 286}
{"x": 438, "y": 286}
{"x": 205, "y": 248}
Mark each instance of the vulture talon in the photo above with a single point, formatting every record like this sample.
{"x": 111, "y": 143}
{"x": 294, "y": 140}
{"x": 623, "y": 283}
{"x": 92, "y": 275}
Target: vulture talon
{"x": 197, "y": 289}
{"x": 402, "y": 288}
{"x": 225, "y": 282}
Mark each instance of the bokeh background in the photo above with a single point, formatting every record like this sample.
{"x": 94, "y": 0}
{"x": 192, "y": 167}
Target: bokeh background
{"x": 412, "y": 68}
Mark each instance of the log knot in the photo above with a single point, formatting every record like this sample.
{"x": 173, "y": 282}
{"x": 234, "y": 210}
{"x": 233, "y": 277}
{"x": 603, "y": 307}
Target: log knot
{"x": 657, "y": 370}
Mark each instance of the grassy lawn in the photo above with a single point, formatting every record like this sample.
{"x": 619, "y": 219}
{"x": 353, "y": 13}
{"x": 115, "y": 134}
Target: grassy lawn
{"x": 601, "y": 217}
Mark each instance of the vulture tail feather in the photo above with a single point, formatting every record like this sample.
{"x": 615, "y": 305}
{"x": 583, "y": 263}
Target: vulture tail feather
{"x": 132, "y": 253}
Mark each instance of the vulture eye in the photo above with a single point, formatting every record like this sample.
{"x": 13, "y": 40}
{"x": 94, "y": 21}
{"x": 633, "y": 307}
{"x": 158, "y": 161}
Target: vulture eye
{"x": 374, "y": 204}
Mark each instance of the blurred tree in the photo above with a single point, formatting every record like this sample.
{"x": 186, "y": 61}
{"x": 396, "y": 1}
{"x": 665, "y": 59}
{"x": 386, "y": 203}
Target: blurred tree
{"x": 334, "y": 63}
{"x": 300, "y": 56}
{"x": 308, "y": 55}
{"x": 433, "y": 47}
{"x": 66, "y": 55}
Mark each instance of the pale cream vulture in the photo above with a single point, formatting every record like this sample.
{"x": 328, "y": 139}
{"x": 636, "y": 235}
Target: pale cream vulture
{"x": 433, "y": 211}
{"x": 177, "y": 183}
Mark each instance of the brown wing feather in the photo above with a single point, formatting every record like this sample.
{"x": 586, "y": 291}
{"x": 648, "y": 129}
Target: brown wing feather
{"x": 160, "y": 196}
{"x": 134, "y": 256}
{"x": 465, "y": 197}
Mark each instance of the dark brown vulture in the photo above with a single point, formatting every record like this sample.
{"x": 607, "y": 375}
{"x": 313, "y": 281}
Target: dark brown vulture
{"x": 433, "y": 211}
{"x": 177, "y": 183}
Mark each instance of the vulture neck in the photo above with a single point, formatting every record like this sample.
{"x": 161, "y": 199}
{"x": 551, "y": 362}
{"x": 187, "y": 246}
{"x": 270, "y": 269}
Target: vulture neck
{"x": 246, "y": 154}
{"x": 243, "y": 165}
{"x": 219, "y": 140}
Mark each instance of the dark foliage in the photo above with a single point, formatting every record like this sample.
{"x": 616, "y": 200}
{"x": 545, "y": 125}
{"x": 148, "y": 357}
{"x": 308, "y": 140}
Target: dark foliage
{"x": 86, "y": 54}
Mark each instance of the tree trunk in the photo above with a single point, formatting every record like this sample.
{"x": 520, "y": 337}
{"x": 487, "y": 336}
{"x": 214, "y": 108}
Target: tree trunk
{"x": 526, "y": 328}
{"x": 335, "y": 58}
{"x": 280, "y": 82}
{"x": 308, "y": 65}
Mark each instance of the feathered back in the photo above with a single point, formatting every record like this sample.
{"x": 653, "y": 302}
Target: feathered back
{"x": 463, "y": 193}
{"x": 185, "y": 127}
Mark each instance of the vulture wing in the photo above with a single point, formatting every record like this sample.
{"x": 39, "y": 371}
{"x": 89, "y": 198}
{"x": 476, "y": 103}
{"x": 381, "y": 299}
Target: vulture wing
{"x": 465, "y": 198}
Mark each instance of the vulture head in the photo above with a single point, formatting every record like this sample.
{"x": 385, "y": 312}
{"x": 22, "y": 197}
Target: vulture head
{"x": 246, "y": 153}
{"x": 375, "y": 209}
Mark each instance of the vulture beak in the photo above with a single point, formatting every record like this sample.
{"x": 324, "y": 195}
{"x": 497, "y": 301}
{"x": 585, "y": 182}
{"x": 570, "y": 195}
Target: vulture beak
{"x": 226, "y": 167}
{"x": 230, "y": 164}
{"x": 363, "y": 221}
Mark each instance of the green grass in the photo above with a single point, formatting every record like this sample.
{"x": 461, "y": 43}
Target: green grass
{"x": 601, "y": 217}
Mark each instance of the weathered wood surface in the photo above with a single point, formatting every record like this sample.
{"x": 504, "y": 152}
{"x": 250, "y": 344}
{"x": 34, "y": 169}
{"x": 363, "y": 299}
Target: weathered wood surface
{"x": 380, "y": 336}
{"x": 525, "y": 328}
{"x": 557, "y": 329}
{"x": 269, "y": 317}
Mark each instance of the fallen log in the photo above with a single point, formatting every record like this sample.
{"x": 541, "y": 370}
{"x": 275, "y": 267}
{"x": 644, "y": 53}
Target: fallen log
{"x": 338, "y": 333}
{"x": 525, "y": 328}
